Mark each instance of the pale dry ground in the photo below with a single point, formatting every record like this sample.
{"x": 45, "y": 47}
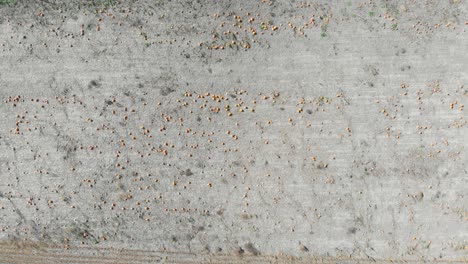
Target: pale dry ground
{"x": 154, "y": 131}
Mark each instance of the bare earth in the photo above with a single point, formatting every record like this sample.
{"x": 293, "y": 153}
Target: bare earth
{"x": 233, "y": 131}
